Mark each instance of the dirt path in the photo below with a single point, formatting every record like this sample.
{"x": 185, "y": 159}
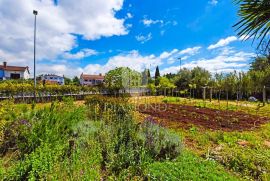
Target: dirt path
{"x": 186, "y": 116}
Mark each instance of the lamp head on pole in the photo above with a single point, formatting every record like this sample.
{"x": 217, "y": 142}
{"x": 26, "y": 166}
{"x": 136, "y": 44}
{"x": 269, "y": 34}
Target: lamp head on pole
{"x": 35, "y": 12}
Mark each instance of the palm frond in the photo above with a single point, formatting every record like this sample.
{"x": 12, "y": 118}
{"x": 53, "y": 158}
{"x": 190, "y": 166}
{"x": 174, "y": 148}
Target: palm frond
{"x": 255, "y": 19}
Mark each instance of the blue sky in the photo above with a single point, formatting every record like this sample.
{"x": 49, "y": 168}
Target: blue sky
{"x": 98, "y": 35}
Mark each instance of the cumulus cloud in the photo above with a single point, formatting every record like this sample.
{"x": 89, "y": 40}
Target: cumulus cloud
{"x": 166, "y": 54}
{"x": 143, "y": 39}
{"x": 173, "y": 56}
{"x": 132, "y": 59}
{"x": 81, "y": 54}
{"x": 57, "y": 27}
{"x": 223, "y": 42}
{"x": 226, "y": 61}
{"x": 190, "y": 51}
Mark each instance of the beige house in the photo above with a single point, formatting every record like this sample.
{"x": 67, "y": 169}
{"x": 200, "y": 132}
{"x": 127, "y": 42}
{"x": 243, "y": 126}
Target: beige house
{"x": 91, "y": 80}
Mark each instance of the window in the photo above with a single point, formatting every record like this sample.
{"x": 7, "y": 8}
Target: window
{"x": 15, "y": 76}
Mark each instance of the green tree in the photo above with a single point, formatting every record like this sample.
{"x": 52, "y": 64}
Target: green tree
{"x": 255, "y": 19}
{"x": 260, "y": 64}
{"x": 183, "y": 79}
{"x": 67, "y": 80}
{"x": 122, "y": 77}
{"x": 76, "y": 80}
{"x": 146, "y": 77}
{"x": 200, "y": 76}
{"x": 157, "y": 75}
{"x": 165, "y": 85}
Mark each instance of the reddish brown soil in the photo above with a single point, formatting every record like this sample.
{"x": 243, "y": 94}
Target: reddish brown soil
{"x": 179, "y": 116}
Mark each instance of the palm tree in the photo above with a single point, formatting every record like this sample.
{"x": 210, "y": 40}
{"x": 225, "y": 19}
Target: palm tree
{"x": 255, "y": 20}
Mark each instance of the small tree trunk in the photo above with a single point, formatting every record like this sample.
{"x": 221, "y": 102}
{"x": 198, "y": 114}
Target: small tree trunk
{"x": 211, "y": 94}
{"x": 227, "y": 97}
{"x": 219, "y": 94}
{"x": 264, "y": 96}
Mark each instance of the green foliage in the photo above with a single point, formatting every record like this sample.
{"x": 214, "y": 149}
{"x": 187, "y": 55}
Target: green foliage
{"x": 76, "y": 81}
{"x": 249, "y": 162}
{"x": 255, "y": 19}
{"x": 171, "y": 99}
{"x": 260, "y": 64}
{"x": 127, "y": 147}
{"x": 40, "y": 137}
{"x": 122, "y": 77}
{"x": 159, "y": 142}
{"x": 188, "y": 167}
{"x": 157, "y": 76}
{"x": 11, "y": 89}
{"x": 152, "y": 88}
{"x": 164, "y": 83}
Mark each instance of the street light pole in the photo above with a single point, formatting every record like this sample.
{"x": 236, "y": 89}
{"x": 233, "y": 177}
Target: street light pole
{"x": 35, "y": 25}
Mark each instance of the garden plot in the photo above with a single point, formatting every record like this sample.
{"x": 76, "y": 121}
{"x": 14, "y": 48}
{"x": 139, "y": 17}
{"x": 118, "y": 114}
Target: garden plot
{"x": 182, "y": 116}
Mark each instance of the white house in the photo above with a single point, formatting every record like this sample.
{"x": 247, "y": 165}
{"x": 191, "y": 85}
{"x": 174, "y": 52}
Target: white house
{"x": 91, "y": 80}
{"x": 13, "y": 72}
{"x": 52, "y": 78}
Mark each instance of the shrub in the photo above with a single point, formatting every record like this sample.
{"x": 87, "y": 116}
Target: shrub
{"x": 127, "y": 147}
{"x": 159, "y": 142}
{"x": 41, "y": 138}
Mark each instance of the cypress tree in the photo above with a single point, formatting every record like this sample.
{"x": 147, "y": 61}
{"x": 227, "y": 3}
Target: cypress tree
{"x": 157, "y": 75}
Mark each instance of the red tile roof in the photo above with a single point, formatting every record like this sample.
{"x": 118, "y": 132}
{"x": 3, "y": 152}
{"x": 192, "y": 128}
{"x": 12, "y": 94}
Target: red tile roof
{"x": 91, "y": 77}
{"x": 13, "y": 68}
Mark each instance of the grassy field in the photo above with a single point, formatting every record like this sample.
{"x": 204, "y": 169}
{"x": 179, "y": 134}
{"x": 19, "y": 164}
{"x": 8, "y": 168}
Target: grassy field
{"x": 246, "y": 153}
{"x": 92, "y": 141}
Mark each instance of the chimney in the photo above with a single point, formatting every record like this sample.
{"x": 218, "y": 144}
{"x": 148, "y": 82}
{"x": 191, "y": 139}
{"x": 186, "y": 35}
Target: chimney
{"x": 5, "y": 64}
{"x": 100, "y": 74}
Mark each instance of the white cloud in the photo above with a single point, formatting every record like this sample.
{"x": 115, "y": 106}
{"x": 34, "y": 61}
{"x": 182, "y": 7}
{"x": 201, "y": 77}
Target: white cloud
{"x": 56, "y": 26}
{"x": 129, "y": 15}
{"x": 173, "y": 55}
{"x": 144, "y": 39}
{"x": 190, "y": 51}
{"x": 213, "y": 2}
{"x": 165, "y": 54}
{"x": 59, "y": 69}
{"x": 149, "y": 22}
{"x": 81, "y": 54}
{"x": 225, "y": 61}
{"x": 223, "y": 42}
{"x": 132, "y": 59}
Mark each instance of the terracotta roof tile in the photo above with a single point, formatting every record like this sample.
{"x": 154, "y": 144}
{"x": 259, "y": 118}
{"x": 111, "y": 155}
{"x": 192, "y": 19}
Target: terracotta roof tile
{"x": 90, "y": 77}
{"x": 13, "y": 68}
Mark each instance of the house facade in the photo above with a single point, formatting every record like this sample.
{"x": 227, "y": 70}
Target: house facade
{"x": 13, "y": 72}
{"x": 91, "y": 80}
{"x": 53, "y": 79}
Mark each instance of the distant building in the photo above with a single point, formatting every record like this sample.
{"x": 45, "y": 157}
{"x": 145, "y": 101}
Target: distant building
{"x": 13, "y": 72}
{"x": 53, "y": 79}
{"x": 91, "y": 80}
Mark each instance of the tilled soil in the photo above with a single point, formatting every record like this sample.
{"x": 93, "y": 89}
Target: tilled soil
{"x": 173, "y": 115}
